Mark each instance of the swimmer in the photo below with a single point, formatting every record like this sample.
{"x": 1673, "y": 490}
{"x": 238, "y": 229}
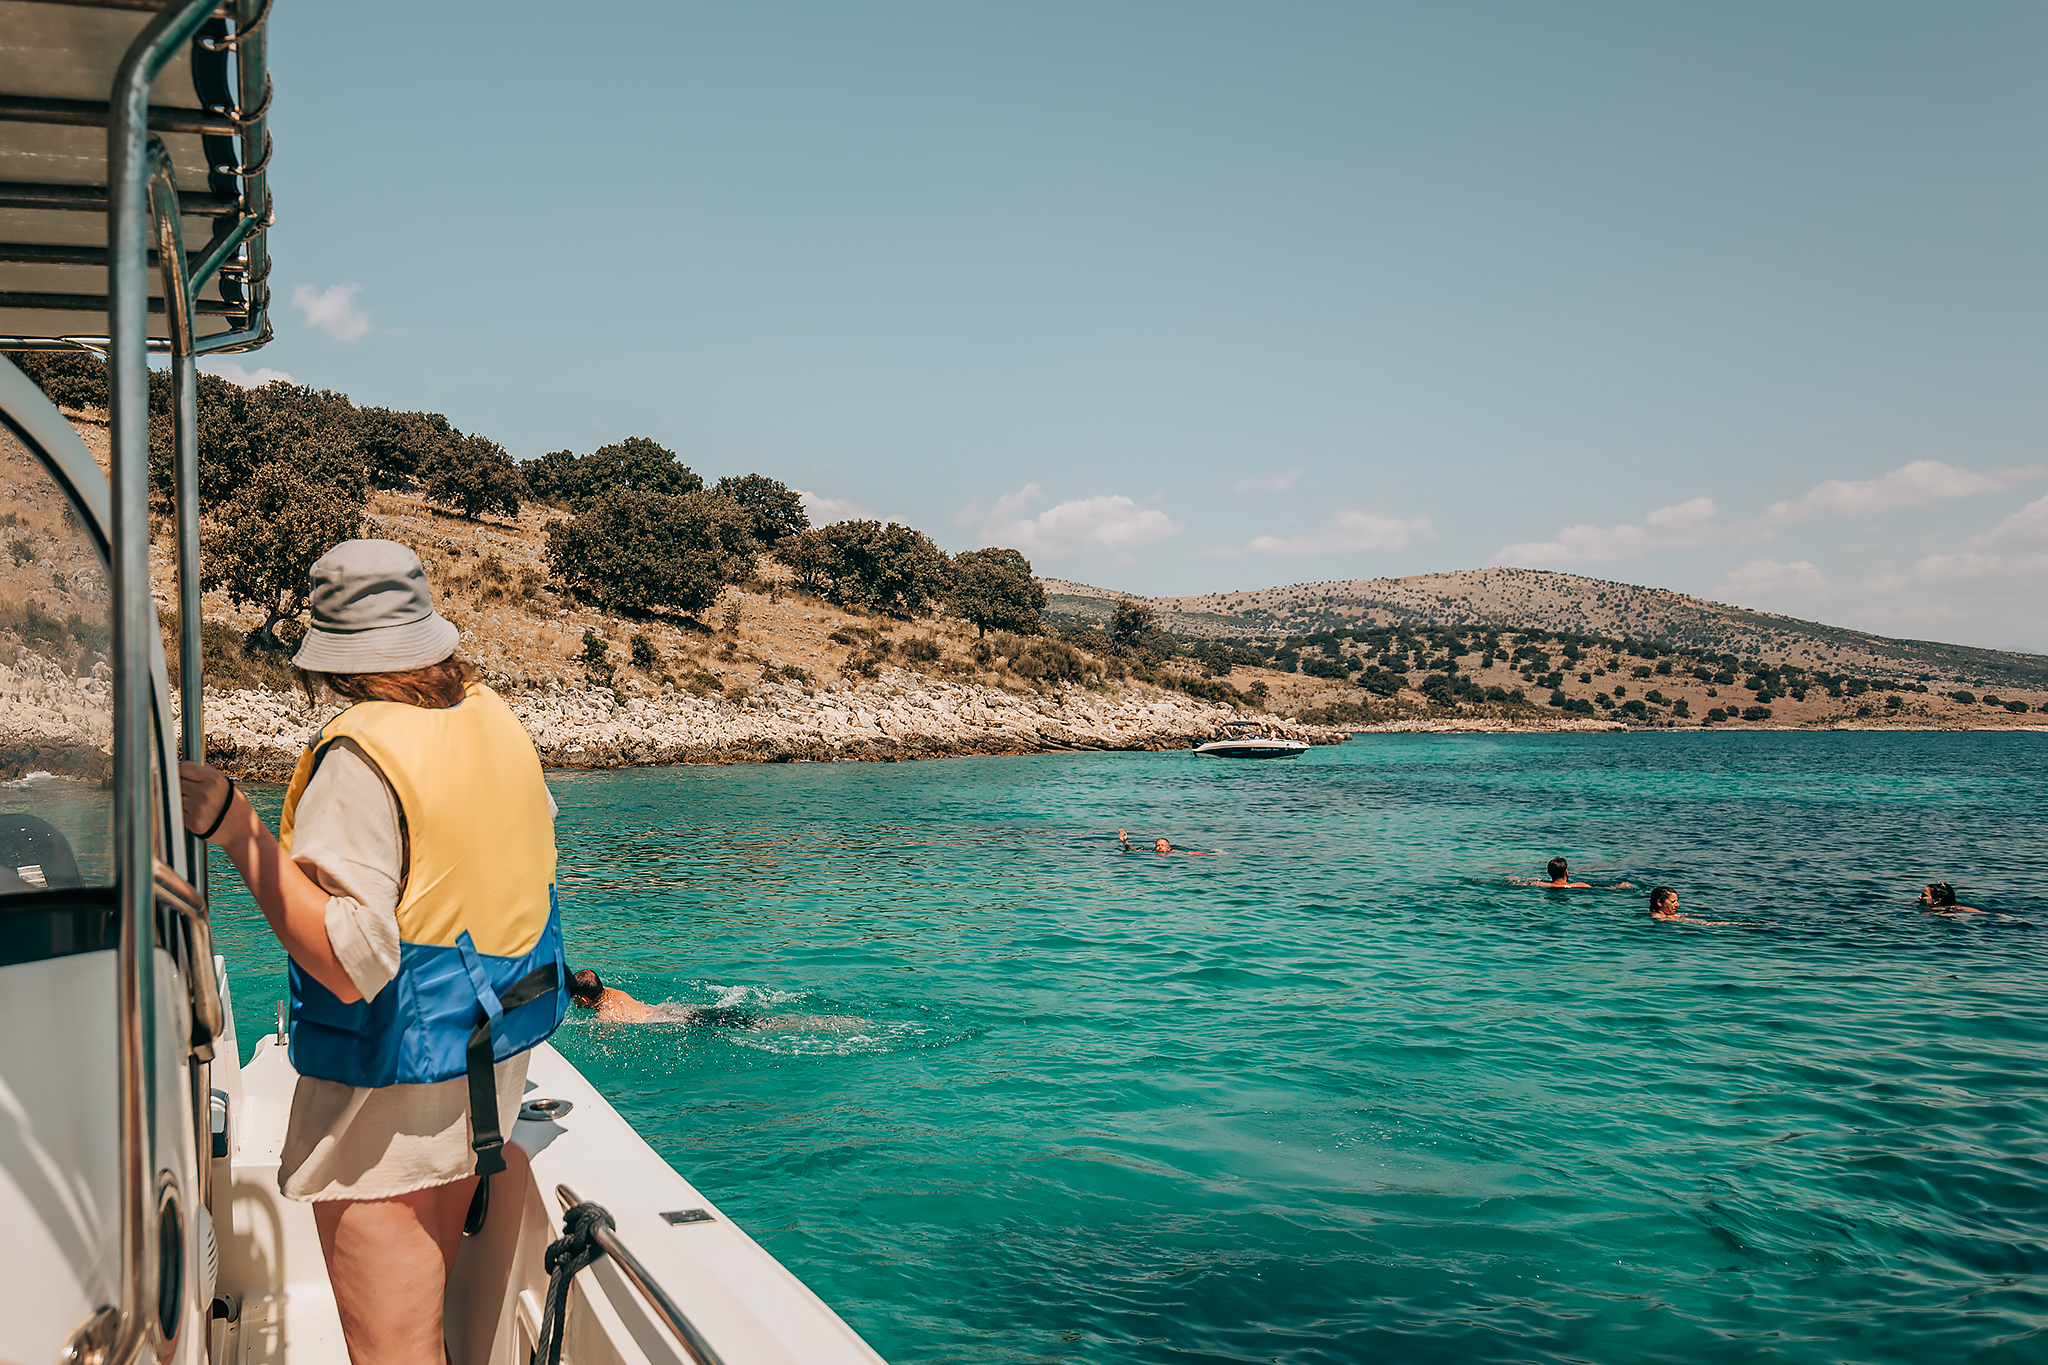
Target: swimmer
{"x": 1664, "y": 906}
{"x": 1164, "y": 845}
{"x": 613, "y": 1005}
{"x": 1940, "y": 898}
{"x": 1561, "y": 878}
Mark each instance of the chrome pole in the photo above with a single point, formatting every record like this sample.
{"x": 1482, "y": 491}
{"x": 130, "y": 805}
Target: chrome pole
{"x": 130, "y": 170}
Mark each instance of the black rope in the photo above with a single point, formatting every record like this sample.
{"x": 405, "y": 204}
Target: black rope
{"x": 576, "y": 1248}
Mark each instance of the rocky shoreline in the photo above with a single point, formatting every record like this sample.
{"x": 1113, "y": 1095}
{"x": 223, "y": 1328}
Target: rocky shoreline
{"x": 260, "y": 733}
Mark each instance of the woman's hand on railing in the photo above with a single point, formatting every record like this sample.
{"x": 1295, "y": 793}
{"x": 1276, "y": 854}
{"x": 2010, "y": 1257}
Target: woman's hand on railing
{"x": 292, "y": 901}
{"x": 205, "y": 793}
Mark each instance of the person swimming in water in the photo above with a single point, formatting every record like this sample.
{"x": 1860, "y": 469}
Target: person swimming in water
{"x": 1664, "y": 906}
{"x": 614, "y": 1006}
{"x": 1164, "y": 845}
{"x": 1560, "y": 879}
{"x": 1940, "y": 898}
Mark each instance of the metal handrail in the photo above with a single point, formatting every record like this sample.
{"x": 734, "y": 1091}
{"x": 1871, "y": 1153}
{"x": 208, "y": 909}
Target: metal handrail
{"x": 640, "y": 1278}
{"x": 130, "y": 220}
{"x": 209, "y": 1016}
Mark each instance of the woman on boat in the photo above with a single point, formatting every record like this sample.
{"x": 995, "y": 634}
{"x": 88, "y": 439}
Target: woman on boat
{"x": 413, "y": 886}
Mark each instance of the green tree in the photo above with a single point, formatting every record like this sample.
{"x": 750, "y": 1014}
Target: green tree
{"x": 70, "y": 379}
{"x": 774, "y": 510}
{"x": 635, "y": 550}
{"x": 398, "y": 444}
{"x": 1133, "y": 624}
{"x": 811, "y": 558}
{"x": 996, "y": 590}
{"x": 473, "y": 475}
{"x": 635, "y": 464}
{"x": 259, "y": 544}
{"x": 887, "y": 567}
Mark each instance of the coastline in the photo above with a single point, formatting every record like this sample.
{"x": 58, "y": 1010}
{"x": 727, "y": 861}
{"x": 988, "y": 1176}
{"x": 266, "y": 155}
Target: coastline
{"x": 259, "y": 733}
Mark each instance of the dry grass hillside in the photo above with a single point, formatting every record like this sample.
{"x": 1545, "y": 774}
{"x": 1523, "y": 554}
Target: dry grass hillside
{"x": 1533, "y": 599}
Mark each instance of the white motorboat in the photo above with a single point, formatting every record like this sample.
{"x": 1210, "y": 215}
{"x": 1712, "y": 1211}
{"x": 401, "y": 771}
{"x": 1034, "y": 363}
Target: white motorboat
{"x": 138, "y": 1161}
{"x": 1249, "y": 739}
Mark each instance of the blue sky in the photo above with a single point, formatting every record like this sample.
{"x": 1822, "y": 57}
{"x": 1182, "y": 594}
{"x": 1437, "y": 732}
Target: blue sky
{"x": 1747, "y": 300}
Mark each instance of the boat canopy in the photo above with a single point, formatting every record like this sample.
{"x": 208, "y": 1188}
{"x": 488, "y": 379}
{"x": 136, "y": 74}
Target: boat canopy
{"x": 59, "y": 61}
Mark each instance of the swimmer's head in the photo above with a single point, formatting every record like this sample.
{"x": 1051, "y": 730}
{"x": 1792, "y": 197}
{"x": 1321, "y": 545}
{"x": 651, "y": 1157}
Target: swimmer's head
{"x": 1663, "y": 901}
{"x": 1162, "y": 847}
{"x": 1560, "y": 870}
{"x": 586, "y": 988}
{"x": 1939, "y": 894}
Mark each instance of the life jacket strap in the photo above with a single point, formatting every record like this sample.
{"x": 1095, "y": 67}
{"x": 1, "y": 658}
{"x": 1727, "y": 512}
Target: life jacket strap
{"x": 485, "y": 1139}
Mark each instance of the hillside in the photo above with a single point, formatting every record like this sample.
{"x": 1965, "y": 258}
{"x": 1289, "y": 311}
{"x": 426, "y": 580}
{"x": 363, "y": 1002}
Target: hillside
{"x": 1534, "y": 599}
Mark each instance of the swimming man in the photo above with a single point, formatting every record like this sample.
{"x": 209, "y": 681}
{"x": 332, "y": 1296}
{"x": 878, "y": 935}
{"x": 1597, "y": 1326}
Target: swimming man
{"x": 1561, "y": 877}
{"x": 1940, "y": 897}
{"x": 614, "y": 1006}
{"x": 1164, "y": 845}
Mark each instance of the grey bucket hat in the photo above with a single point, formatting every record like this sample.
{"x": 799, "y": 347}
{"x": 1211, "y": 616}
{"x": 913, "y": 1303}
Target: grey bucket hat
{"x": 372, "y": 612}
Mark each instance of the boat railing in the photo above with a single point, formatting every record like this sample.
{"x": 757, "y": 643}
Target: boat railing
{"x": 637, "y": 1275}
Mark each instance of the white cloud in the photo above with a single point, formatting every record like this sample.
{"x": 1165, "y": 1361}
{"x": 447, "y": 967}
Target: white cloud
{"x": 1766, "y": 577}
{"x": 823, "y": 511}
{"x": 1918, "y": 484}
{"x": 1679, "y": 526}
{"x": 2028, "y": 526}
{"x": 1109, "y": 524}
{"x": 1268, "y": 483}
{"x": 248, "y": 379}
{"x": 1966, "y": 566}
{"x": 332, "y": 310}
{"x": 1349, "y": 532}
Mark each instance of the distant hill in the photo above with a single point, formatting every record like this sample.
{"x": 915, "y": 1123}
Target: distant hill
{"x": 1538, "y": 599}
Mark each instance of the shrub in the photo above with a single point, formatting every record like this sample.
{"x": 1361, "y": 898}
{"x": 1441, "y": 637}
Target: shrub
{"x": 1577, "y": 706}
{"x": 1317, "y": 666}
{"x": 1642, "y": 671}
{"x": 1635, "y": 707}
{"x": 882, "y": 566}
{"x": 773, "y": 509}
{"x": 634, "y": 550}
{"x": 922, "y": 649}
{"x": 1134, "y": 622}
{"x": 472, "y": 475}
{"x": 2016, "y": 707}
{"x": 1381, "y": 683}
{"x": 1990, "y": 700}
{"x": 1664, "y": 668}
{"x": 635, "y": 464}
{"x": 1716, "y": 714}
{"x": 1756, "y": 713}
{"x": 1681, "y": 708}
{"x": 645, "y": 655}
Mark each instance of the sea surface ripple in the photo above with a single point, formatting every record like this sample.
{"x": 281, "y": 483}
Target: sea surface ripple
{"x": 1342, "y": 1092}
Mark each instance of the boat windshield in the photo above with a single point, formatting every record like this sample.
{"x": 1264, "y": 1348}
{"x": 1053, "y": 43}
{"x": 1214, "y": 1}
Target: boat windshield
{"x": 56, "y": 685}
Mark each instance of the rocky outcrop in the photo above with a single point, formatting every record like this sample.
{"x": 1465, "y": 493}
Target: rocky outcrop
{"x": 52, "y": 720}
{"x": 900, "y": 716}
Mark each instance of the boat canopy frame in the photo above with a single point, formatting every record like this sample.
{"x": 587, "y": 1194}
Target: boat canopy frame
{"x": 80, "y": 237}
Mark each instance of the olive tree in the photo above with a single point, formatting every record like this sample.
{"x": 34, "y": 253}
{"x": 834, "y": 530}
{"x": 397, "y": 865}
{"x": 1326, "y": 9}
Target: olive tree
{"x": 996, "y": 590}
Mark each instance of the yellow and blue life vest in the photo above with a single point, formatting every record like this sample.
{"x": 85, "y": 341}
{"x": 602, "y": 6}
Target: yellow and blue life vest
{"x": 480, "y": 969}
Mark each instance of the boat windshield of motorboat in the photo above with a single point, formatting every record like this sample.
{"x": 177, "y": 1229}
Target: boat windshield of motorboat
{"x": 138, "y": 1157}
{"x": 1251, "y": 739}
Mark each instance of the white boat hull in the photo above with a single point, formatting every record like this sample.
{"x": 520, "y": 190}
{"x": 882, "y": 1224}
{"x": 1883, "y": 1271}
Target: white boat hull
{"x": 1252, "y": 748}
{"x": 746, "y": 1304}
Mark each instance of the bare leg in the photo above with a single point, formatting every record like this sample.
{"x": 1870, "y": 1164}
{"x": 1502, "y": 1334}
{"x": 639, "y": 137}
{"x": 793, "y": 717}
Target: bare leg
{"x": 388, "y": 1261}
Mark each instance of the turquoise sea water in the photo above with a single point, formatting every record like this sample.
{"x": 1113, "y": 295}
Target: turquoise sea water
{"x": 1342, "y": 1093}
